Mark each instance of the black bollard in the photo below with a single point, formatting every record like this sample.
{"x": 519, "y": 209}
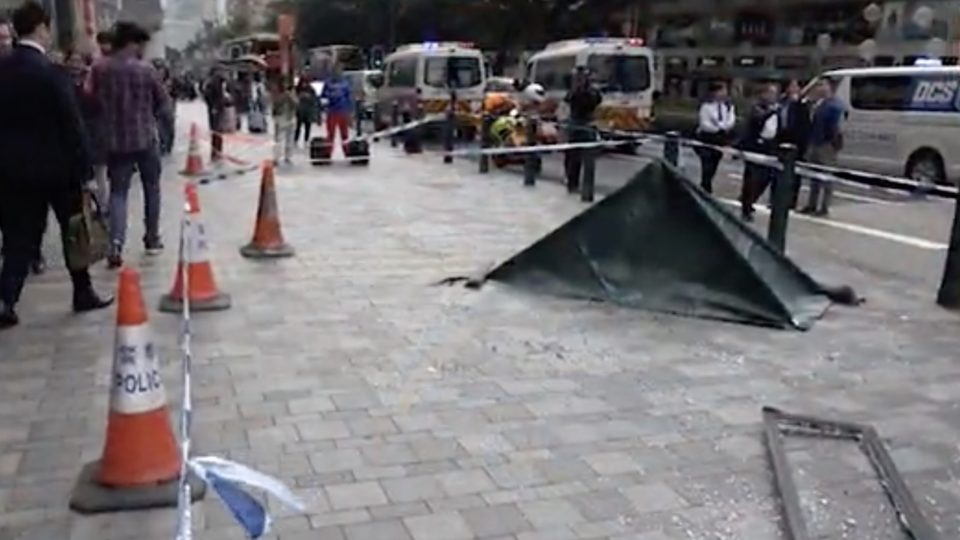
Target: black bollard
{"x": 949, "y": 294}
{"x": 449, "y": 129}
{"x": 531, "y": 162}
{"x": 781, "y": 197}
{"x": 486, "y": 141}
{"x": 589, "y": 180}
{"x": 671, "y": 149}
{"x": 394, "y": 121}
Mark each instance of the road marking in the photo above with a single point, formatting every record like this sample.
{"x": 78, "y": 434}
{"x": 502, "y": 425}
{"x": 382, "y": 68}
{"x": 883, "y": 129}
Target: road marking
{"x": 911, "y": 241}
{"x": 841, "y": 194}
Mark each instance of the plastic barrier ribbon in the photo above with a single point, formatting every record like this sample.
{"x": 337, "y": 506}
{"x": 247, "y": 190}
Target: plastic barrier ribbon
{"x": 226, "y": 478}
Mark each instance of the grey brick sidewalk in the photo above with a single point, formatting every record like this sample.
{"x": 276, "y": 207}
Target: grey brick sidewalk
{"x": 402, "y": 410}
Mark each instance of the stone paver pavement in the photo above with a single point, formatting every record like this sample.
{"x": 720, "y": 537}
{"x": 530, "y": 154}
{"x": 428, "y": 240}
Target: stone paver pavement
{"x": 403, "y": 410}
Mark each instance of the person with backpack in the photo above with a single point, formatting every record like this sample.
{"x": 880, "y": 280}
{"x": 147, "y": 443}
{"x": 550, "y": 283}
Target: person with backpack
{"x": 760, "y": 137}
{"x": 826, "y": 141}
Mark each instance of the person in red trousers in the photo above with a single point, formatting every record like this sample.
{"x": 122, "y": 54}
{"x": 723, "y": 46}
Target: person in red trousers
{"x": 339, "y": 99}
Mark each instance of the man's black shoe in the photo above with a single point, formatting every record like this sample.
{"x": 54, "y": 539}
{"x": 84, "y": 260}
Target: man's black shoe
{"x": 89, "y": 301}
{"x": 114, "y": 262}
{"x": 8, "y": 317}
{"x": 39, "y": 266}
{"x": 154, "y": 247}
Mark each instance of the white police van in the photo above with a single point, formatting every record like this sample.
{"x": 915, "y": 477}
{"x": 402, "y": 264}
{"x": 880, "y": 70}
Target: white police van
{"x": 901, "y": 121}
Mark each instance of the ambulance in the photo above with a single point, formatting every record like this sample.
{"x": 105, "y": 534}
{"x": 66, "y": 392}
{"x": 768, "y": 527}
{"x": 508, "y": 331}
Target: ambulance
{"x": 621, "y": 68}
{"x": 422, "y": 76}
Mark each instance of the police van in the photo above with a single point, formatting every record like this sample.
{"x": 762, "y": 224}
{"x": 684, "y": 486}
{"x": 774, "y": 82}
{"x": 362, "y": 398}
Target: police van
{"x": 622, "y": 69}
{"x": 421, "y": 77}
{"x": 901, "y": 121}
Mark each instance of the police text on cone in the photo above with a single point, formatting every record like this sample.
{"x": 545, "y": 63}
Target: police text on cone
{"x": 141, "y": 459}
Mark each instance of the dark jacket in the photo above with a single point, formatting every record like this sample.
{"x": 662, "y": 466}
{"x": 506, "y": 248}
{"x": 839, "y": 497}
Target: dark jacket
{"x": 825, "y": 127}
{"x": 42, "y": 136}
{"x": 753, "y": 140}
{"x": 795, "y": 124}
{"x": 583, "y": 103}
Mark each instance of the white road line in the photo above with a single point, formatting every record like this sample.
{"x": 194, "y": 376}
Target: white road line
{"x": 911, "y": 241}
{"x": 841, "y": 194}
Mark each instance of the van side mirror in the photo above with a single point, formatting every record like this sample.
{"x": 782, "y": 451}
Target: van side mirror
{"x": 376, "y": 80}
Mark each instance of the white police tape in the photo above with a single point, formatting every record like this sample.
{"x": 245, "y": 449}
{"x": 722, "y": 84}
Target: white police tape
{"x": 224, "y": 477}
{"x": 389, "y": 132}
{"x": 537, "y": 149}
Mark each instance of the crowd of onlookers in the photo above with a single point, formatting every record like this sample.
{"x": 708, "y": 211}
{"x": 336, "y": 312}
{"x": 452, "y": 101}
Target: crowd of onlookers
{"x": 294, "y": 106}
{"x": 75, "y": 123}
{"x": 813, "y": 127}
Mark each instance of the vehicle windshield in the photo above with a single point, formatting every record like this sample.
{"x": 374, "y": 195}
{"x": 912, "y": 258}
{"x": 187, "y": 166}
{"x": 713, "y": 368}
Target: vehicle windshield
{"x": 459, "y": 71}
{"x": 620, "y": 72}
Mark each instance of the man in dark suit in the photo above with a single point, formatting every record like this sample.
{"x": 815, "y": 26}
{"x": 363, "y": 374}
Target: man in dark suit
{"x": 44, "y": 159}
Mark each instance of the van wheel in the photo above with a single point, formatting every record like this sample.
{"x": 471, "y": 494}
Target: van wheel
{"x": 926, "y": 167}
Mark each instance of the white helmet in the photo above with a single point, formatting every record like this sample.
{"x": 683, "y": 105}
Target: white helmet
{"x": 535, "y": 93}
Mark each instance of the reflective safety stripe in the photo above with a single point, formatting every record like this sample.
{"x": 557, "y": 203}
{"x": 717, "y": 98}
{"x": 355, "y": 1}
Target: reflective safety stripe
{"x": 136, "y": 386}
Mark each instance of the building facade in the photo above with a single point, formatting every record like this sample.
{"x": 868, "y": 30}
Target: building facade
{"x": 744, "y": 40}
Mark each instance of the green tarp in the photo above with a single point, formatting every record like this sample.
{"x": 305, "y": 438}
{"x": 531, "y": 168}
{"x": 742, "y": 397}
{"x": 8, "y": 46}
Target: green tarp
{"x": 661, "y": 243}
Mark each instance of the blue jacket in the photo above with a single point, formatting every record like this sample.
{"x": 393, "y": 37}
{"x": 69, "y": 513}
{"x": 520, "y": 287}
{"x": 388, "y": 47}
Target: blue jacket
{"x": 339, "y": 95}
{"x": 826, "y": 122}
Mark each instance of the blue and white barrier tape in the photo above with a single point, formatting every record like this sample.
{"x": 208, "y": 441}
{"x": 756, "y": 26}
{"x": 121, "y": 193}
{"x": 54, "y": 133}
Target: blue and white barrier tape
{"x": 223, "y": 477}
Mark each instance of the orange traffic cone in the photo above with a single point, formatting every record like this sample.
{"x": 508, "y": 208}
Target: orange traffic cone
{"x": 194, "y": 160}
{"x": 203, "y": 292}
{"x": 267, "y": 240}
{"x": 141, "y": 460}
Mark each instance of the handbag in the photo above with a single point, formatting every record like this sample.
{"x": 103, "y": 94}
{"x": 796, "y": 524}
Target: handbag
{"x": 88, "y": 238}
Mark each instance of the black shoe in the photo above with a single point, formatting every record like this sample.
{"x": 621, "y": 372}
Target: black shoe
{"x": 89, "y": 301}
{"x": 39, "y": 266}
{"x": 153, "y": 248}
{"x": 114, "y": 262}
{"x": 747, "y": 216}
{"x": 808, "y": 210}
{"x": 8, "y": 317}
{"x": 823, "y": 212}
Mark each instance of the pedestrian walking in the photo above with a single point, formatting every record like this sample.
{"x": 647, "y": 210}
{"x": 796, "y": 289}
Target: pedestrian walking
{"x": 132, "y": 97}
{"x": 166, "y": 128}
{"x": 215, "y": 96}
{"x": 44, "y": 160}
{"x": 79, "y": 68}
{"x": 257, "y": 122}
{"x": 794, "y": 126}
{"x": 338, "y": 95}
{"x": 307, "y": 109}
{"x": 826, "y": 141}
{"x": 717, "y": 119}
{"x": 284, "y": 113}
{"x": 583, "y": 100}
{"x": 104, "y": 43}
{"x": 760, "y": 136}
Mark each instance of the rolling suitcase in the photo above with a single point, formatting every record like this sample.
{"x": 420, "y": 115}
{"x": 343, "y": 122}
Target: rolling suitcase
{"x": 357, "y": 151}
{"x": 320, "y": 151}
{"x": 257, "y": 123}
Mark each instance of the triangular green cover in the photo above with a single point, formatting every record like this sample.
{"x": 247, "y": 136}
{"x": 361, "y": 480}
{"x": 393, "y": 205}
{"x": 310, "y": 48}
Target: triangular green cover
{"x": 661, "y": 243}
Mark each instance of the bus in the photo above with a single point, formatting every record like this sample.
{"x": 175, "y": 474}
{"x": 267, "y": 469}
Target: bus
{"x": 622, "y": 68}
{"x": 263, "y": 45}
{"x": 322, "y": 59}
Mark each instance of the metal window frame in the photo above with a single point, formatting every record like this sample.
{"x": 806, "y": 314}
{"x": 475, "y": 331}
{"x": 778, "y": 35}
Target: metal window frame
{"x": 910, "y": 517}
